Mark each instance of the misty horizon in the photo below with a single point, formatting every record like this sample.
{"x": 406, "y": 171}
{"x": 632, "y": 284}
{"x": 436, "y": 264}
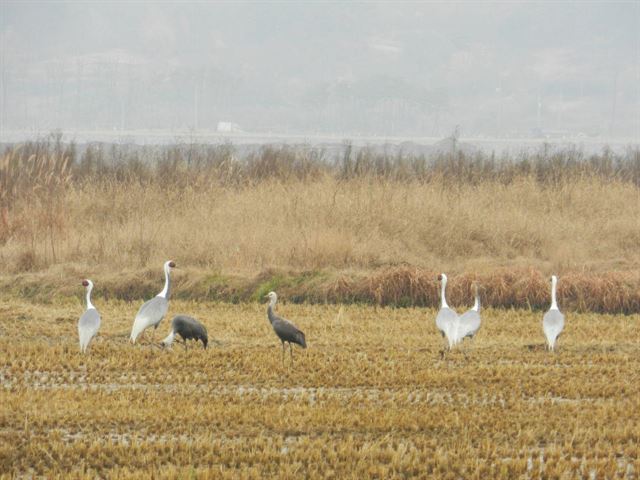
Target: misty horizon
{"x": 414, "y": 69}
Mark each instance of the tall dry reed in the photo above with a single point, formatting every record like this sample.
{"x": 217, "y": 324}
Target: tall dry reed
{"x": 32, "y": 188}
{"x": 587, "y": 224}
{"x": 290, "y": 209}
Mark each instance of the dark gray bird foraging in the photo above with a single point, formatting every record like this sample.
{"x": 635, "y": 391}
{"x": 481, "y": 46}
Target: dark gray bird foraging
{"x": 188, "y": 328}
{"x": 286, "y": 331}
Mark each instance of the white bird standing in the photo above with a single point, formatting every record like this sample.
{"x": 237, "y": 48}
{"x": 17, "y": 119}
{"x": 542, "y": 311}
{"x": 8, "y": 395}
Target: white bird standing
{"x": 153, "y": 311}
{"x": 469, "y": 322}
{"x": 553, "y": 320}
{"x": 89, "y": 322}
{"x": 447, "y": 319}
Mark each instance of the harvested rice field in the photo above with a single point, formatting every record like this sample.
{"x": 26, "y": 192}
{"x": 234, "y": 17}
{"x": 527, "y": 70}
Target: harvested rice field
{"x": 370, "y": 398}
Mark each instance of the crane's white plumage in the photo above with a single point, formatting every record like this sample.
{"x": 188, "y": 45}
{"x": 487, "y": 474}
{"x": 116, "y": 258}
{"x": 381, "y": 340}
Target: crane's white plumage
{"x": 89, "y": 322}
{"x": 153, "y": 311}
{"x": 168, "y": 340}
{"x": 553, "y": 320}
{"x": 469, "y": 322}
{"x": 447, "y": 319}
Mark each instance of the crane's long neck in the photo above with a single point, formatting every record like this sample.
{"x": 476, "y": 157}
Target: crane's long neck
{"x": 554, "y": 305}
{"x": 476, "y": 304}
{"x": 270, "y": 312}
{"x": 443, "y": 300}
{"x": 167, "y": 284}
{"x": 89, "y": 304}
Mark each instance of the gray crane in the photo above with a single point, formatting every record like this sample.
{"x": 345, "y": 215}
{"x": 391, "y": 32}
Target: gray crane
{"x": 153, "y": 311}
{"x": 89, "y": 322}
{"x": 286, "y": 331}
{"x": 553, "y": 320}
{"x": 189, "y": 329}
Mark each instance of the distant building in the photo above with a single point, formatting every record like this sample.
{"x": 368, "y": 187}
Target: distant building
{"x": 228, "y": 127}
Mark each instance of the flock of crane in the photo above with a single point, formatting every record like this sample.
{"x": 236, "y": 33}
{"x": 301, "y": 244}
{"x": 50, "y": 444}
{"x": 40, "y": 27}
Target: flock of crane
{"x": 453, "y": 327}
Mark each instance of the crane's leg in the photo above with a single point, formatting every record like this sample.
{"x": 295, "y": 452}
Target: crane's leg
{"x": 444, "y": 348}
{"x": 283, "y": 353}
{"x": 291, "y": 352}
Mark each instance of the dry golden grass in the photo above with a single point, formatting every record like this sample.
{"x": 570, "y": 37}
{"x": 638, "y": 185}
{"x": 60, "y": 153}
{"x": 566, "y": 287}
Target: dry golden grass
{"x": 589, "y": 225}
{"x": 370, "y": 398}
{"x": 357, "y": 234}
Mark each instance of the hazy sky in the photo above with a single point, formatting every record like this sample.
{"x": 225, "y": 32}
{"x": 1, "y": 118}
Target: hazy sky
{"x": 413, "y": 68}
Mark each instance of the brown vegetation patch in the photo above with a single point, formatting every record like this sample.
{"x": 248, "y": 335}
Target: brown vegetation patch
{"x": 608, "y": 292}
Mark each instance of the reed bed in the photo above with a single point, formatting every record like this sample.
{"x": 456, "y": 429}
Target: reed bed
{"x": 371, "y": 396}
{"x": 360, "y": 227}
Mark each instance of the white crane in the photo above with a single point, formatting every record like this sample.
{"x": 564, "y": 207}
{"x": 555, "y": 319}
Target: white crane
{"x": 153, "y": 311}
{"x": 89, "y": 322}
{"x": 469, "y": 322}
{"x": 447, "y": 319}
{"x": 553, "y": 320}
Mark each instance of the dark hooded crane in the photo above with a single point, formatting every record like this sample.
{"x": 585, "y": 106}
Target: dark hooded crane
{"x": 153, "y": 311}
{"x": 89, "y": 322}
{"x": 286, "y": 331}
{"x": 188, "y": 328}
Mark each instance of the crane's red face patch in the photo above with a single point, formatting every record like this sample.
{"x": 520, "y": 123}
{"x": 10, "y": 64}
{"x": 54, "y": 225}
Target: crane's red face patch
{"x": 440, "y": 277}
{"x": 172, "y": 264}
{"x": 85, "y": 283}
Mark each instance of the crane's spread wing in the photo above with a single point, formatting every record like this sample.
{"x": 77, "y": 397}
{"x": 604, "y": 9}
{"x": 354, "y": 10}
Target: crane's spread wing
{"x": 468, "y": 325}
{"x": 552, "y": 324}
{"x": 288, "y": 332}
{"x": 88, "y": 326}
{"x": 447, "y": 323}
